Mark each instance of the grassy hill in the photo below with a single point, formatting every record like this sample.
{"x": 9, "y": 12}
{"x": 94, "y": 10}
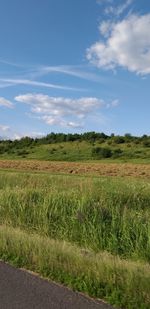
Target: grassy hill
{"x": 79, "y": 148}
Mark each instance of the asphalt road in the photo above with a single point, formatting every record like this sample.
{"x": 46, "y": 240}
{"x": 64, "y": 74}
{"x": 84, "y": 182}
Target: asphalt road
{"x": 20, "y": 289}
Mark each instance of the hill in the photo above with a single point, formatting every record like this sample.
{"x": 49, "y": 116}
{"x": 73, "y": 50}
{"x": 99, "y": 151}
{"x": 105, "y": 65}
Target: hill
{"x": 79, "y": 147}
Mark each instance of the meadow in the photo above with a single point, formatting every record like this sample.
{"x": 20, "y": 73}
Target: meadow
{"x": 91, "y": 233}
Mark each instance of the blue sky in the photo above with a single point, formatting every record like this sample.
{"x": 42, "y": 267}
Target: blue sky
{"x": 74, "y": 66}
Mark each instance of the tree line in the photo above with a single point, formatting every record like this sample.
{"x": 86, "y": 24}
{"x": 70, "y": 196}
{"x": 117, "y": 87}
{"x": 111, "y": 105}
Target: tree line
{"x": 90, "y": 137}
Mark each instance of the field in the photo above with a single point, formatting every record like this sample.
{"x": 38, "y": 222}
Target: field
{"x": 79, "y": 168}
{"x": 73, "y": 223}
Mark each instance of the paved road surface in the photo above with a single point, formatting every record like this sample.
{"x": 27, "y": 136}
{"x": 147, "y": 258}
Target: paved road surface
{"x": 22, "y": 290}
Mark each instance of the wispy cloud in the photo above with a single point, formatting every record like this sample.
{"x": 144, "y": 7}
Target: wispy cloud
{"x": 104, "y": 1}
{"x": 124, "y": 7}
{"x": 5, "y": 103}
{"x": 5, "y": 85}
{"x": 13, "y": 81}
{"x": 9, "y": 63}
{"x": 76, "y": 71}
{"x": 30, "y": 74}
{"x": 111, "y": 7}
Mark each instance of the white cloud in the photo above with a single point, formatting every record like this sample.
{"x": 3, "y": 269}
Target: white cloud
{"x": 118, "y": 10}
{"x": 51, "y": 120}
{"x": 9, "y": 63}
{"x": 105, "y": 27}
{"x": 123, "y": 7}
{"x": 4, "y": 131}
{"x": 6, "y": 103}
{"x": 4, "y": 128}
{"x": 7, "y": 132}
{"x": 61, "y": 111}
{"x": 15, "y": 135}
{"x": 35, "y": 134}
{"x": 113, "y": 104}
{"x": 127, "y": 46}
{"x": 109, "y": 10}
{"x": 5, "y": 85}
{"x": 59, "y": 106}
{"x": 104, "y": 1}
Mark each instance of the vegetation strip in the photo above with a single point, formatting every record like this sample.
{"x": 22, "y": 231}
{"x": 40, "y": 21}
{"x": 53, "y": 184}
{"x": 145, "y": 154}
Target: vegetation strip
{"x": 91, "y": 233}
{"x": 120, "y": 282}
{"x": 96, "y": 213}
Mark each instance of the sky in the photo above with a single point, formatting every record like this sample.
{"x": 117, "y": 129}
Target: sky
{"x": 74, "y": 66}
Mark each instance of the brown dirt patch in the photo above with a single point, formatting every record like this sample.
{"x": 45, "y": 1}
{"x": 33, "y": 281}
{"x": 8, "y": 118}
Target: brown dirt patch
{"x": 99, "y": 169}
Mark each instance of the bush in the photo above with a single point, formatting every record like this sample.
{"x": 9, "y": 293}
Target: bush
{"x": 118, "y": 140}
{"x": 52, "y": 150}
{"x": 146, "y": 143}
{"x": 100, "y": 152}
{"x": 22, "y": 152}
{"x": 117, "y": 153}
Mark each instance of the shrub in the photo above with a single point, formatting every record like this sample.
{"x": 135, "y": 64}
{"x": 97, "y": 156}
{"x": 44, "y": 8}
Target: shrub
{"x": 117, "y": 153}
{"x": 146, "y": 143}
{"x": 22, "y": 152}
{"x": 100, "y": 152}
{"x": 118, "y": 139}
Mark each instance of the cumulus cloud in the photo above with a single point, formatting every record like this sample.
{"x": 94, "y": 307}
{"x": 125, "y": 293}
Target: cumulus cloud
{"x": 6, "y": 103}
{"x": 127, "y": 45}
{"x": 45, "y": 104}
{"x": 66, "y": 112}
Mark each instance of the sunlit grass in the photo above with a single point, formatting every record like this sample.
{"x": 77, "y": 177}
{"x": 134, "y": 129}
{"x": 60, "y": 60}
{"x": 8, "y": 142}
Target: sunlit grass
{"x": 97, "y": 213}
{"x": 91, "y": 233}
{"x": 120, "y": 282}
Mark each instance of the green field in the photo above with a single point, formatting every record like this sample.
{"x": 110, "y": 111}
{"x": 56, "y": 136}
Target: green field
{"x": 90, "y": 233}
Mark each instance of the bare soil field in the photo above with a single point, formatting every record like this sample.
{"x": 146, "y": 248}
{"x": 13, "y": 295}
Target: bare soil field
{"x": 98, "y": 169}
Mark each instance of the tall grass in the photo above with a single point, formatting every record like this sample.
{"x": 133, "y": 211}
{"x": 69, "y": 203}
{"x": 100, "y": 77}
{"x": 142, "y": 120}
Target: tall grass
{"x": 94, "y": 213}
{"x": 122, "y": 283}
